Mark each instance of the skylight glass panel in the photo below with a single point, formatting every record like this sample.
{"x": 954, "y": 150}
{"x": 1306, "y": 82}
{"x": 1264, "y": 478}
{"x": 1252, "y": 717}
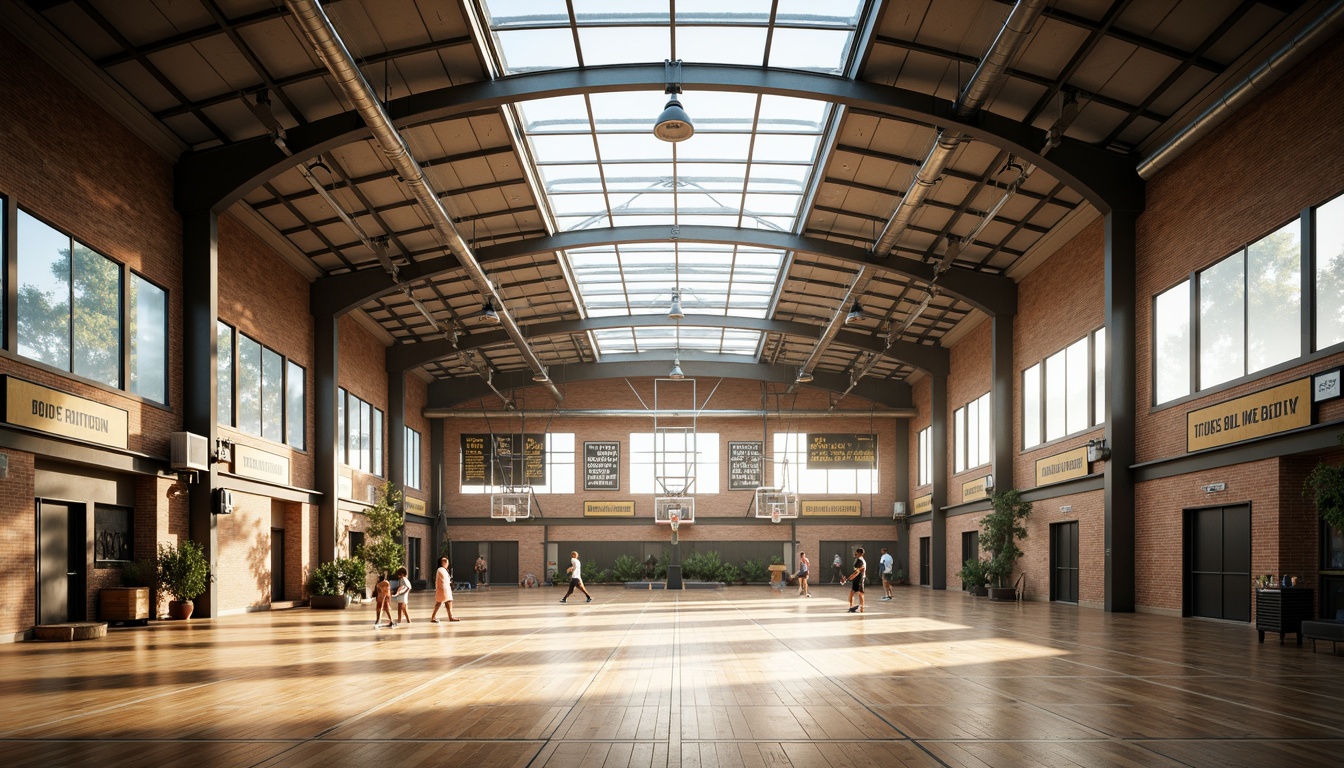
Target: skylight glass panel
{"x": 548, "y": 148}
{"x": 510, "y": 12}
{"x": 564, "y": 114}
{"x": 785, "y": 113}
{"x": 820, "y": 50}
{"x": 607, "y": 11}
{"x": 631, "y": 111}
{"x": 748, "y": 11}
{"x": 834, "y": 12}
{"x": 624, "y": 45}
{"x": 721, "y": 45}
{"x": 571, "y": 178}
{"x": 529, "y": 50}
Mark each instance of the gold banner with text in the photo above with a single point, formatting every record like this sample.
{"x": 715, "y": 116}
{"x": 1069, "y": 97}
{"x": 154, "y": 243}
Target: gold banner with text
{"x": 608, "y": 509}
{"x": 1062, "y": 466}
{"x": 415, "y": 506}
{"x": 260, "y": 465}
{"x": 61, "y": 413}
{"x": 974, "y": 490}
{"x": 924, "y": 504}
{"x": 1278, "y": 409}
{"x": 831, "y": 508}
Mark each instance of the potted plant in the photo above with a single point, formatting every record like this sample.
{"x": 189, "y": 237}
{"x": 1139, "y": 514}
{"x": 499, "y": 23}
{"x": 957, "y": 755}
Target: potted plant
{"x": 184, "y": 573}
{"x": 354, "y": 576}
{"x": 1000, "y": 530}
{"x": 326, "y": 587}
{"x": 1325, "y": 485}
{"x": 975, "y": 576}
{"x": 382, "y": 549}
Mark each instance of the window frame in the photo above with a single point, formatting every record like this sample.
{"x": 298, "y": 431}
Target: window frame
{"x": 924, "y": 457}
{"x": 961, "y": 420}
{"x": 1093, "y": 354}
{"x": 236, "y": 337}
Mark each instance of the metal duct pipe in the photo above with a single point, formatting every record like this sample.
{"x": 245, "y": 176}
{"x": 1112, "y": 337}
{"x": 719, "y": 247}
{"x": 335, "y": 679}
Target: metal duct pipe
{"x": 832, "y": 328}
{"x": 1015, "y": 28}
{"x": 640, "y": 413}
{"x": 338, "y": 61}
{"x": 1309, "y": 39}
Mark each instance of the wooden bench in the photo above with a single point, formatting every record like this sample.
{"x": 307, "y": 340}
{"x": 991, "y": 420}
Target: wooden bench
{"x": 1323, "y": 630}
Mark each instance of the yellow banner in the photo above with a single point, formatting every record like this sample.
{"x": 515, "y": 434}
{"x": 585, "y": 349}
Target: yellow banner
{"x": 61, "y": 413}
{"x": 924, "y": 504}
{"x": 415, "y": 506}
{"x": 1062, "y": 466}
{"x": 608, "y": 509}
{"x": 831, "y": 508}
{"x": 974, "y": 490}
{"x": 1279, "y": 409}
{"x": 260, "y": 465}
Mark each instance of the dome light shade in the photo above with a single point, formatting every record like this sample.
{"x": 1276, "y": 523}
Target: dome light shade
{"x": 673, "y": 124}
{"x": 675, "y": 312}
{"x": 855, "y": 314}
{"x": 489, "y": 315}
{"x": 804, "y": 376}
{"x": 676, "y": 373}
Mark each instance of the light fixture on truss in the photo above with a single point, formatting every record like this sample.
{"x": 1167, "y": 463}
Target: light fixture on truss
{"x": 776, "y": 504}
{"x": 511, "y": 504}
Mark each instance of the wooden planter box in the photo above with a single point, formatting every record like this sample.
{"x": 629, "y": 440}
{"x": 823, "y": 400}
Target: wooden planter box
{"x": 330, "y": 602}
{"x": 128, "y": 604}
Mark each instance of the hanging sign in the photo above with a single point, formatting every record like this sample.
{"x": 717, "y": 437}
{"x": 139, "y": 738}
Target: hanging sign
{"x": 745, "y": 465}
{"x": 260, "y": 465}
{"x": 924, "y": 504}
{"x": 608, "y": 509}
{"x": 1278, "y": 409}
{"x": 61, "y": 413}
{"x": 511, "y": 459}
{"x": 1062, "y": 466}
{"x": 602, "y": 466}
{"x": 830, "y": 508}
{"x": 1326, "y": 386}
{"x": 841, "y": 451}
{"x": 415, "y": 506}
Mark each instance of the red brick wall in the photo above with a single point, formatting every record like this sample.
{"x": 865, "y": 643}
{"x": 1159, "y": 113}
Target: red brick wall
{"x": 18, "y": 546}
{"x": 417, "y": 394}
{"x": 243, "y": 571}
{"x": 917, "y": 532}
{"x": 363, "y": 373}
{"x": 969, "y": 378}
{"x": 922, "y": 395}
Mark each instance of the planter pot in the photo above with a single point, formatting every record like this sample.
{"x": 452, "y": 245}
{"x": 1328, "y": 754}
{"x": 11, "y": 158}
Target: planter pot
{"x": 980, "y": 591}
{"x": 124, "y": 604}
{"x": 329, "y": 602}
{"x": 180, "y": 609}
{"x": 1002, "y": 593}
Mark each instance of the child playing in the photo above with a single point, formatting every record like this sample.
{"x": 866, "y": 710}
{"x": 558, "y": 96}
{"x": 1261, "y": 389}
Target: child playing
{"x": 401, "y": 596}
{"x": 382, "y": 592}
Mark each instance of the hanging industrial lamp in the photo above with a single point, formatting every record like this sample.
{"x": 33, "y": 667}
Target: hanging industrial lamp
{"x": 673, "y": 124}
{"x": 676, "y": 373}
{"x": 489, "y": 315}
{"x": 675, "y": 312}
{"x": 855, "y": 314}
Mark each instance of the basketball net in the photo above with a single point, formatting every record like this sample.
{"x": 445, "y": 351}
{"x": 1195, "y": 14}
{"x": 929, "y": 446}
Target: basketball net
{"x": 774, "y": 515}
{"x": 675, "y": 520}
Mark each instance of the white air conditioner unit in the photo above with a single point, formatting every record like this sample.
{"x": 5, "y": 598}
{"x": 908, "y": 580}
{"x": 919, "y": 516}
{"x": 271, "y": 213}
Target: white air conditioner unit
{"x": 374, "y": 492}
{"x": 898, "y": 510}
{"x": 189, "y": 452}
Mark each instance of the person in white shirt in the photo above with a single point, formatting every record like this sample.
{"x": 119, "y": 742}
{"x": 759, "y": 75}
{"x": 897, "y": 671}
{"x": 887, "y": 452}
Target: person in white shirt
{"x": 443, "y": 592}
{"x": 575, "y": 577}
{"x": 887, "y": 563}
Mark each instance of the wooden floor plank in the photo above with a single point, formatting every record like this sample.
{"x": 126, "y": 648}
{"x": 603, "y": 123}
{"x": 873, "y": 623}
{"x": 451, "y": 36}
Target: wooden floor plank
{"x": 734, "y": 678}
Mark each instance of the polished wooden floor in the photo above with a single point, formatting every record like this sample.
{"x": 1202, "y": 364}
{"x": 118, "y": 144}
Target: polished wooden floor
{"x": 739, "y": 677}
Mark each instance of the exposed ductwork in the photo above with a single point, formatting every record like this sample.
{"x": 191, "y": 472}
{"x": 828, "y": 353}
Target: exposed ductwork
{"x": 1309, "y": 39}
{"x": 317, "y": 27}
{"x": 828, "y": 334}
{"x": 1015, "y": 28}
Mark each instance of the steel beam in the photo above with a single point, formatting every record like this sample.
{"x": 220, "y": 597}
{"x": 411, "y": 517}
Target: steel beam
{"x": 216, "y": 178}
{"x": 992, "y": 294}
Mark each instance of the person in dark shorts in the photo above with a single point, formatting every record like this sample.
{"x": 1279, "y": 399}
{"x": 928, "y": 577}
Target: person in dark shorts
{"x": 575, "y": 571}
{"x": 855, "y": 580}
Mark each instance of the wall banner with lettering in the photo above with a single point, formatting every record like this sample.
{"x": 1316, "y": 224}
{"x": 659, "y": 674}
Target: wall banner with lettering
{"x": 746, "y": 465}
{"x": 841, "y": 451}
{"x": 503, "y": 459}
{"x": 923, "y": 504}
{"x": 831, "y": 508}
{"x": 1062, "y": 466}
{"x": 602, "y": 465}
{"x": 61, "y": 413}
{"x": 974, "y": 490}
{"x": 1274, "y": 410}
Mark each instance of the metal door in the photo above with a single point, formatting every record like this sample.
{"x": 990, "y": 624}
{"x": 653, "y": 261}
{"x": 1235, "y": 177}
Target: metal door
{"x": 1064, "y": 562}
{"x": 1218, "y": 563}
{"x": 277, "y": 564}
{"x": 61, "y": 556}
{"x": 925, "y": 563}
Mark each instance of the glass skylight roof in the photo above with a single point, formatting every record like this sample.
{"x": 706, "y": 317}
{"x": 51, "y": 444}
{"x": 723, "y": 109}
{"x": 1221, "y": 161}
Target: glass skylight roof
{"x": 750, "y": 164}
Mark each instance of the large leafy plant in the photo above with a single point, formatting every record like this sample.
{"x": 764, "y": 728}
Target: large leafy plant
{"x": 382, "y": 548}
{"x": 183, "y": 570}
{"x": 1325, "y": 484}
{"x": 1000, "y": 530}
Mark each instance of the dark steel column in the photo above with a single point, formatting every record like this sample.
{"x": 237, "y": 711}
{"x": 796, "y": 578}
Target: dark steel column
{"x": 200, "y": 302}
{"x": 1001, "y": 400}
{"x": 938, "y": 447}
{"x": 1121, "y": 396}
{"x": 396, "y": 428}
{"x": 900, "y": 477}
{"x": 438, "y": 474}
{"x": 326, "y": 467}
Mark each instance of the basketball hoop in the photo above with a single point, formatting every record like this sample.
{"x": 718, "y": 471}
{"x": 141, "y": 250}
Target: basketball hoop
{"x": 774, "y": 515}
{"x": 510, "y": 519}
{"x": 675, "y": 520}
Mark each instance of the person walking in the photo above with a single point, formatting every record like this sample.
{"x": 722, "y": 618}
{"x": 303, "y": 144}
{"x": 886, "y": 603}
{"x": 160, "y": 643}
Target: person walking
{"x": 382, "y": 595}
{"x": 400, "y": 597}
{"x": 837, "y": 569}
{"x": 887, "y": 563}
{"x": 575, "y": 577}
{"x": 855, "y": 580}
{"x": 804, "y": 568}
{"x": 443, "y": 592}
{"x": 480, "y": 571}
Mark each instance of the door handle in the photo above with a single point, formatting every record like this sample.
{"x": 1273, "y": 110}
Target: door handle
{"x": 72, "y": 573}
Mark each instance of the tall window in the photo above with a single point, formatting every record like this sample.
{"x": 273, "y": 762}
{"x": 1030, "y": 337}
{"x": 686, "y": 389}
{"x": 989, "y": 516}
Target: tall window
{"x": 411, "y": 470}
{"x": 72, "y": 314}
{"x": 361, "y": 433}
{"x": 790, "y": 470}
{"x": 971, "y": 434}
{"x": 1244, "y": 313}
{"x": 558, "y": 453}
{"x": 674, "y": 456}
{"x": 1328, "y": 246}
{"x": 267, "y": 389}
{"x": 925, "y": 454}
{"x": 1071, "y": 395}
